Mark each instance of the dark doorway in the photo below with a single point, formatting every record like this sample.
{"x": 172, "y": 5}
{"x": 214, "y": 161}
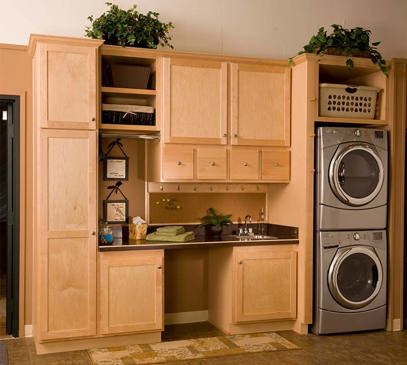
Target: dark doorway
{"x": 9, "y": 214}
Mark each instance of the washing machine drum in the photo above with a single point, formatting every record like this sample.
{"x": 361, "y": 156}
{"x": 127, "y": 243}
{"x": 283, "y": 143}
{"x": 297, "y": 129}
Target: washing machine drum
{"x": 356, "y": 174}
{"x": 355, "y": 276}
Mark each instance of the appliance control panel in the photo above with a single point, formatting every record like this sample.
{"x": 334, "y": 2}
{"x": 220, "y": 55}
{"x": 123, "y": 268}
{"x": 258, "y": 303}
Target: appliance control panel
{"x": 332, "y": 239}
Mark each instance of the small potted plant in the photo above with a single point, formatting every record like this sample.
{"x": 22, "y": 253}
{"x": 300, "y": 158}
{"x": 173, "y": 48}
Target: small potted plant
{"x": 130, "y": 28}
{"x": 353, "y": 42}
{"x": 214, "y": 221}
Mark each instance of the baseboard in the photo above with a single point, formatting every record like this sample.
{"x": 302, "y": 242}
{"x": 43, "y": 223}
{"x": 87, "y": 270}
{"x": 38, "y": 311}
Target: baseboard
{"x": 185, "y": 317}
{"x": 28, "y": 330}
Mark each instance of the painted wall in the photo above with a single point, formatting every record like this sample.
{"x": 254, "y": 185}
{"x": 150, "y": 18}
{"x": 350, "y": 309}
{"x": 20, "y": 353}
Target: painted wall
{"x": 259, "y": 28}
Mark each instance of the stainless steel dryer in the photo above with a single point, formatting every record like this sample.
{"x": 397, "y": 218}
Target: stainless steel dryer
{"x": 350, "y": 279}
{"x": 351, "y": 177}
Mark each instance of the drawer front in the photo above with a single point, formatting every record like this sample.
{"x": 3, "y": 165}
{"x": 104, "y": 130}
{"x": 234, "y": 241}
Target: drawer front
{"x": 275, "y": 165}
{"x": 178, "y": 163}
{"x": 244, "y": 164}
{"x": 211, "y": 163}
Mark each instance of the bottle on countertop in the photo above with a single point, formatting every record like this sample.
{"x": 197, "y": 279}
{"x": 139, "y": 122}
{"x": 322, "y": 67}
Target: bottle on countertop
{"x": 261, "y": 225}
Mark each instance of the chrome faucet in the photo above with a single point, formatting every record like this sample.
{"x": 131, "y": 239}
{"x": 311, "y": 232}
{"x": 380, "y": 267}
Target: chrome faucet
{"x": 247, "y": 219}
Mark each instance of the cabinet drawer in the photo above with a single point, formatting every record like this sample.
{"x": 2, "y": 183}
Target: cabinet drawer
{"x": 275, "y": 165}
{"x": 178, "y": 162}
{"x": 211, "y": 163}
{"x": 244, "y": 164}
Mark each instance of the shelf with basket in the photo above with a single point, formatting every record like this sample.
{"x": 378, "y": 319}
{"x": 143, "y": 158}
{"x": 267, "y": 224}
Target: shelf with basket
{"x": 129, "y": 91}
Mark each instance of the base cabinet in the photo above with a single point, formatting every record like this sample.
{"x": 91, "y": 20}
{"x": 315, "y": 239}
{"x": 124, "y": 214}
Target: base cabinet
{"x": 131, "y": 291}
{"x": 265, "y": 284}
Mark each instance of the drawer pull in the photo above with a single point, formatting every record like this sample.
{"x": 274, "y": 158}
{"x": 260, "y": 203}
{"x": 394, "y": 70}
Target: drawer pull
{"x": 245, "y": 164}
{"x": 93, "y": 233}
{"x": 235, "y": 135}
{"x": 225, "y": 134}
{"x": 212, "y": 163}
{"x": 93, "y": 119}
{"x": 179, "y": 163}
{"x": 276, "y": 164}
{"x": 159, "y": 267}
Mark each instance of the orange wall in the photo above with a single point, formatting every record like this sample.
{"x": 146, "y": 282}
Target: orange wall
{"x": 15, "y": 78}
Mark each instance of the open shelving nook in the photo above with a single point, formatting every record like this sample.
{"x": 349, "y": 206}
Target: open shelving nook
{"x": 137, "y": 85}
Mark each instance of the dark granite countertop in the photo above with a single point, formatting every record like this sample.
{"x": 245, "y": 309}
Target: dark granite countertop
{"x": 273, "y": 235}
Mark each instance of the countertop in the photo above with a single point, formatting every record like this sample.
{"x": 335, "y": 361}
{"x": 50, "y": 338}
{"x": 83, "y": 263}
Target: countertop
{"x": 277, "y": 234}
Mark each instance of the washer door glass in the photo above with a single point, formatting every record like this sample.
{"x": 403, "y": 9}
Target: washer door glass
{"x": 356, "y": 174}
{"x": 355, "y": 277}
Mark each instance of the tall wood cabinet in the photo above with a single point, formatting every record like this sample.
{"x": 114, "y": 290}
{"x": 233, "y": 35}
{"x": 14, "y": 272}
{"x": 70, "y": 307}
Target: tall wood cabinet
{"x": 65, "y": 152}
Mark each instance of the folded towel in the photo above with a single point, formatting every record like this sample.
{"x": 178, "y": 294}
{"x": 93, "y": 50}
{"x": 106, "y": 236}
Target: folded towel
{"x": 171, "y": 230}
{"x": 183, "y": 237}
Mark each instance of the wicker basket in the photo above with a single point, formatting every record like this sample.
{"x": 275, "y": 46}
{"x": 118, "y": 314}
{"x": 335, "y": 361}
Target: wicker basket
{"x": 337, "y": 100}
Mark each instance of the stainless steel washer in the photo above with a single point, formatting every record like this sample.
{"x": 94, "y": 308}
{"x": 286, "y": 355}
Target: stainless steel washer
{"x": 350, "y": 280}
{"x": 351, "y": 178}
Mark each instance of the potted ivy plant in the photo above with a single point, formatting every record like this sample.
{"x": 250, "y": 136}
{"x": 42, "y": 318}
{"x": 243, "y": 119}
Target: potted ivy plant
{"x": 350, "y": 43}
{"x": 214, "y": 221}
{"x": 130, "y": 28}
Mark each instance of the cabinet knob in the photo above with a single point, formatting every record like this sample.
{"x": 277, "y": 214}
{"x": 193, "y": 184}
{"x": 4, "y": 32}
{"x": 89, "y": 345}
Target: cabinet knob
{"x": 240, "y": 262}
{"x": 93, "y": 119}
{"x": 225, "y": 134}
{"x": 235, "y": 135}
{"x": 159, "y": 267}
{"x": 245, "y": 164}
{"x": 179, "y": 163}
{"x": 276, "y": 164}
{"x": 212, "y": 163}
{"x": 93, "y": 233}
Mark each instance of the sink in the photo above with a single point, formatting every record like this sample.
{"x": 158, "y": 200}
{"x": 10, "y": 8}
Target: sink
{"x": 256, "y": 237}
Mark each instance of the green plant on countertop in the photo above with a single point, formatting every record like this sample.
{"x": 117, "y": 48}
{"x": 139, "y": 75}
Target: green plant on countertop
{"x": 130, "y": 28}
{"x": 214, "y": 218}
{"x": 353, "y": 42}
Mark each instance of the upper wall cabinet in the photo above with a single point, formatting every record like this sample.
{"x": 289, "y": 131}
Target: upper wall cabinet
{"x": 195, "y": 101}
{"x": 65, "y": 74}
{"x": 260, "y": 104}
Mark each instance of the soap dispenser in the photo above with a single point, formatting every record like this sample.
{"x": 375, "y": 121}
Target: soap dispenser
{"x": 261, "y": 225}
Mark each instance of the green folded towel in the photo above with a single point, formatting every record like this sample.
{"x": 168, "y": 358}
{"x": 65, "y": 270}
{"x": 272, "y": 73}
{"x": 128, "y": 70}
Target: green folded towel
{"x": 183, "y": 237}
{"x": 171, "y": 230}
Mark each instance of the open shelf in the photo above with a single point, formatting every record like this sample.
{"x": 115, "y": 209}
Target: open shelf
{"x": 129, "y": 128}
{"x": 127, "y": 91}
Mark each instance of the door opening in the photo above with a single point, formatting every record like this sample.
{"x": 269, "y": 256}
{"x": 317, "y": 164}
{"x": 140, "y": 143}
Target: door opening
{"x": 9, "y": 215}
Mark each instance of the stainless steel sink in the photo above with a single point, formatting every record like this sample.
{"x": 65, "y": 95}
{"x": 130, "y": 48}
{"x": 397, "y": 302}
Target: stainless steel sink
{"x": 256, "y": 237}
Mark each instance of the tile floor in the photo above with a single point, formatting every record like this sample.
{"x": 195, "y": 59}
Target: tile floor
{"x": 3, "y": 293}
{"x": 378, "y": 347}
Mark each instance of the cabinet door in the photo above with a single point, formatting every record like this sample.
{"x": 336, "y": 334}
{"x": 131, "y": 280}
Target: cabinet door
{"x": 265, "y": 284}
{"x": 67, "y": 86}
{"x": 211, "y": 163}
{"x": 195, "y": 101}
{"x": 275, "y": 165}
{"x": 178, "y": 162}
{"x": 131, "y": 291}
{"x": 260, "y": 105}
{"x": 244, "y": 164}
{"x": 66, "y": 292}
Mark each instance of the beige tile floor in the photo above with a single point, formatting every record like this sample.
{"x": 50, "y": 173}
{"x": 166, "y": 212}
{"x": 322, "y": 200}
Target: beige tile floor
{"x": 378, "y": 347}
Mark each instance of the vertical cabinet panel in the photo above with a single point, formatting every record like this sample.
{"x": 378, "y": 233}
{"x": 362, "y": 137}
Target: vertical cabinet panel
{"x": 265, "y": 284}
{"x": 66, "y": 238}
{"x": 195, "y": 100}
{"x": 67, "y": 83}
{"x": 131, "y": 291}
{"x": 260, "y": 105}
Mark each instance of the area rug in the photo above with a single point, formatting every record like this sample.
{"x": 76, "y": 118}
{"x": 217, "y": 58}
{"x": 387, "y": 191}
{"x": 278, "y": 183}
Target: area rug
{"x": 197, "y": 348}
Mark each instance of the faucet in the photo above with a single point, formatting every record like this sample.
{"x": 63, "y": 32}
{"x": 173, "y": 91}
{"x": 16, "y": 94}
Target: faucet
{"x": 247, "y": 219}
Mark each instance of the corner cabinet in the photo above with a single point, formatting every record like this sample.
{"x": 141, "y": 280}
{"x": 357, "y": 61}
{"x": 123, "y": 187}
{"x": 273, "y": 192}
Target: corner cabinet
{"x": 65, "y": 187}
{"x": 131, "y": 291}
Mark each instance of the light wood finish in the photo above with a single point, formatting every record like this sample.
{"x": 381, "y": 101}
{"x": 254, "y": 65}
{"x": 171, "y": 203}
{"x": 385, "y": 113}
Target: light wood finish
{"x": 178, "y": 162}
{"x": 66, "y": 234}
{"x": 128, "y": 91}
{"x": 275, "y": 165}
{"x": 243, "y": 188}
{"x": 67, "y": 85}
{"x": 222, "y": 290}
{"x": 265, "y": 284}
{"x": 97, "y": 342}
{"x": 397, "y": 100}
{"x": 260, "y": 105}
{"x": 17, "y": 81}
{"x": 244, "y": 164}
{"x": 136, "y": 129}
{"x": 131, "y": 291}
{"x": 194, "y": 101}
{"x": 211, "y": 163}
{"x": 376, "y": 122}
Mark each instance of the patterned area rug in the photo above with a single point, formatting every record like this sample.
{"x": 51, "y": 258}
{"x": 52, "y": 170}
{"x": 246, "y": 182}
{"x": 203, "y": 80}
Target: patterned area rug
{"x": 190, "y": 349}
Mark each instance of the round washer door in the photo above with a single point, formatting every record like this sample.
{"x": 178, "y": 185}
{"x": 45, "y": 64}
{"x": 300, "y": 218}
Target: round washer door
{"x": 355, "y": 276}
{"x": 356, "y": 174}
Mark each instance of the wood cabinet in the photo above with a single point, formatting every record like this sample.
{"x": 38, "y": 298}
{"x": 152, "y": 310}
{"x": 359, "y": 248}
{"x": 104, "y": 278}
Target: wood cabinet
{"x": 131, "y": 291}
{"x": 195, "y": 101}
{"x": 211, "y": 163}
{"x": 260, "y": 104}
{"x": 178, "y": 162}
{"x": 265, "y": 284}
{"x": 275, "y": 165}
{"x": 66, "y": 83}
{"x": 244, "y": 164}
{"x": 66, "y": 240}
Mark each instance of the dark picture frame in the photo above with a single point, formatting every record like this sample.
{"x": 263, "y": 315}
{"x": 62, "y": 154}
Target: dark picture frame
{"x": 116, "y": 172}
{"x": 115, "y": 211}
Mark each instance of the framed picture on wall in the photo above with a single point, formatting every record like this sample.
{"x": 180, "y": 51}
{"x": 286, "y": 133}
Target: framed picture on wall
{"x": 115, "y": 211}
{"x": 116, "y": 168}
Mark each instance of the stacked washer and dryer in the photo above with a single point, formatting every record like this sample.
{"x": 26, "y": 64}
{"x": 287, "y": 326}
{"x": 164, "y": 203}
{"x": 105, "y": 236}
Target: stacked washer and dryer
{"x": 350, "y": 230}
